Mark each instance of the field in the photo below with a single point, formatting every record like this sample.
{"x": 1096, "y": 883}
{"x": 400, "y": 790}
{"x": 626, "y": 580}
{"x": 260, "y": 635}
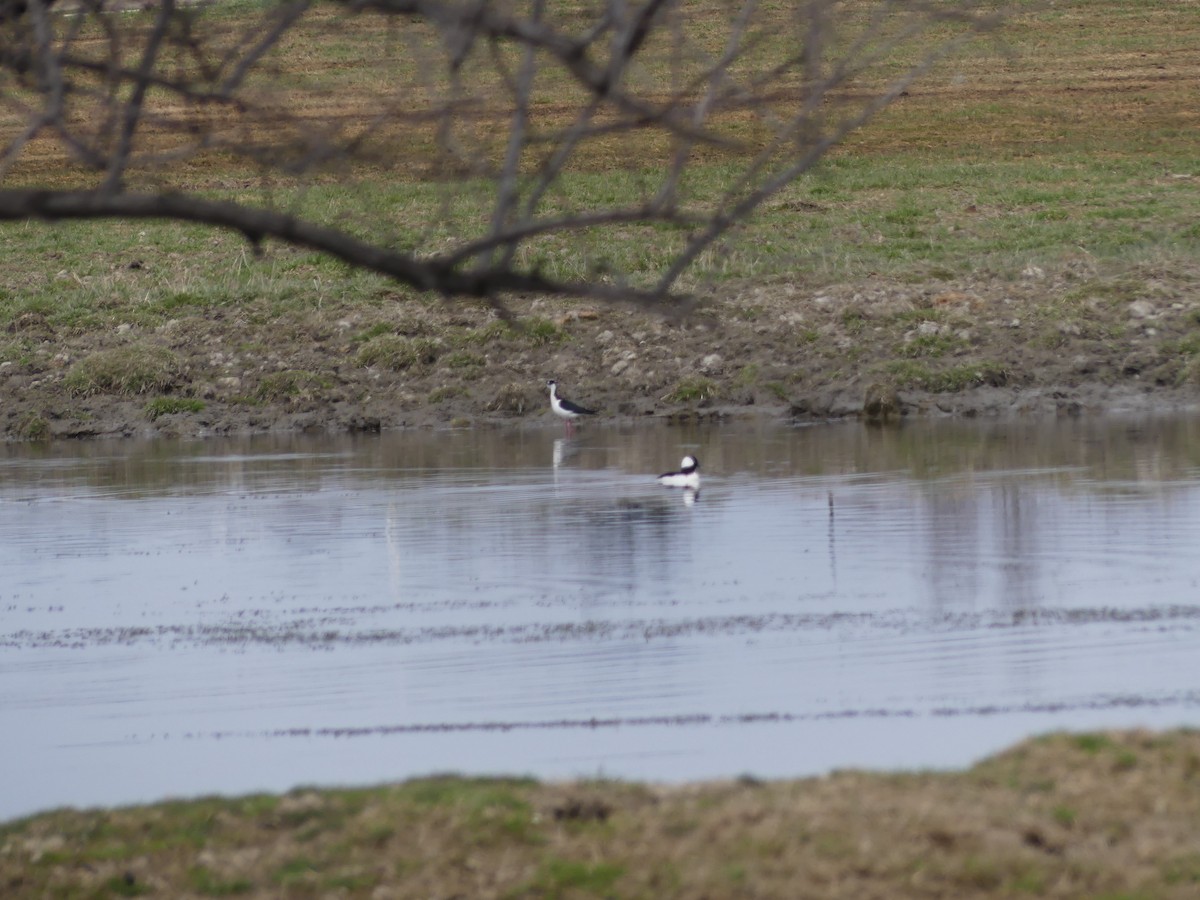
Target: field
{"x": 1018, "y": 232}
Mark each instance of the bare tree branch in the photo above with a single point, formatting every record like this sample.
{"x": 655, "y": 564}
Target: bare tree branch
{"x": 435, "y": 275}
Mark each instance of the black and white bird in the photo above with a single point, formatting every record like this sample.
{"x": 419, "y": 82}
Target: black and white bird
{"x": 688, "y": 475}
{"x": 565, "y": 409}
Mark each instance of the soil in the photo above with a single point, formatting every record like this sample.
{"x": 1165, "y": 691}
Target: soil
{"x": 1069, "y": 341}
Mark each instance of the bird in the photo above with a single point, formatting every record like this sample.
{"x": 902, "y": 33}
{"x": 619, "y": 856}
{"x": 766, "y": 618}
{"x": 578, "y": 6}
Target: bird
{"x": 565, "y": 409}
{"x": 688, "y": 475}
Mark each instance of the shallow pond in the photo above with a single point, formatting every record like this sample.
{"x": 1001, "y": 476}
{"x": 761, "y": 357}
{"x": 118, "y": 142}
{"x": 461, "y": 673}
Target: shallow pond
{"x": 231, "y": 616}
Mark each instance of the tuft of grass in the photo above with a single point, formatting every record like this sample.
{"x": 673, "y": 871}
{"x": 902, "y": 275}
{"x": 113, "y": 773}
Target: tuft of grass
{"x": 165, "y": 406}
{"x": 1183, "y": 869}
{"x": 513, "y": 399}
{"x": 294, "y": 871}
{"x": 377, "y": 330}
{"x": 1126, "y": 760}
{"x": 204, "y": 881}
{"x": 909, "y": 373}
{"x": 1064, "y": 816}
{"x": 930, "y": 346}
{"x": 747, "y": 376}
{"x": 397, "y": 353}
{"x": 33, "y": 427}
{"x": 291, "y": 384}
{"x": 447, "y": 392}
{"x": 487, "y": 334}
{"x": 463, "y": 360}
{"x": 542, "y": 332}
{"x": 1092, "y": 743}
{"x": 692, "y": 390}
{"x": 854, "y": 321}
{"x": 563, "y": 877}
{"x": 133, "y": 369}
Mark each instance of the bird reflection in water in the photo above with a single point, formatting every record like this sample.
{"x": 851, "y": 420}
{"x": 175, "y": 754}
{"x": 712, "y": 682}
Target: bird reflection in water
{"x": 564, "y": 450}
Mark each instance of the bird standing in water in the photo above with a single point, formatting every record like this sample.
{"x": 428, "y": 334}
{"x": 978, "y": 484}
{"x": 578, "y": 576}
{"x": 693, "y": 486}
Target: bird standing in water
{"x": 565, "y": 409}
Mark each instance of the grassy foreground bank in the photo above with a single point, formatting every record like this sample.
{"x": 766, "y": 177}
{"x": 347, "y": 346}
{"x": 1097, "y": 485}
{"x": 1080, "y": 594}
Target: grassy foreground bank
{"x": 1113, "y": 815}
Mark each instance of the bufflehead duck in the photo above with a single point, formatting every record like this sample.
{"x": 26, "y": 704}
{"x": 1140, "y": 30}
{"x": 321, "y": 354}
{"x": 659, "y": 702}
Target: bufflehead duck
{"x": 688, "y": 475}
{"x": 565, "y": 409}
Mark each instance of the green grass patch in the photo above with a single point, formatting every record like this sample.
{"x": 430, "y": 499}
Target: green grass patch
{"x": 133, "y": 369}
{"x": 1093, "y": 743}
{"x": 165, "y": 406}
{"x": 452, "y": 791}
{"x": 291, "y": 384}
{"x": 295, "y": 871}
{"x": 447, "y": 392}
{"x": 1064, "y": 816}
{"x": 930, "y": 346}
{"x": 912, "y": 374}
{"x": 692, "y": 390}
{"x": 463, "y": 360}
{"x": 777, "y": 389}
{"x": 747, "y": 376}
{"x": 1182, "y": 869}
{"x": 541, "y": 332}
{"x": 563, "y": 878}
{"x": 207, "y": 883}
{"x": 33, "y": 427}
{"x": 397, "y": 353}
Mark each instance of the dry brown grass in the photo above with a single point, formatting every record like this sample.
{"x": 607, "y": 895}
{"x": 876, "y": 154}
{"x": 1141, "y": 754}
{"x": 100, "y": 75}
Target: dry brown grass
{"x": 1112, "y": 815}
{"x": 334, "y": 74}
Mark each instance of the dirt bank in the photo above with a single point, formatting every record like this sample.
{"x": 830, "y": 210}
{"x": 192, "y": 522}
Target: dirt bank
{"x": 1069, "y": 341}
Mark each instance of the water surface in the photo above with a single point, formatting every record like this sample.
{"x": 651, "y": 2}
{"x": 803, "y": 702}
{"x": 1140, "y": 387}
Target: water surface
{"x": 188, "y": 618}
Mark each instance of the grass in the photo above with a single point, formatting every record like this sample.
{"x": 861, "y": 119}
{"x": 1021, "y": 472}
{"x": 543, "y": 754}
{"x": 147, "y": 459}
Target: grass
{"x": 912, "y": 374}
{"x": 389, "y": 351}
{"x": 134, "y": 369}
{"x": 982, "y": 166}
{"x": 291, "y": 384}
{"x": 558, "y": 878}
{"x": 165, "y": 406}
{"x": 203, "y": 881}
{"x": 1052, "y": 817}
{"x": 693, "y": 389}
{"x": 541, "y": 332}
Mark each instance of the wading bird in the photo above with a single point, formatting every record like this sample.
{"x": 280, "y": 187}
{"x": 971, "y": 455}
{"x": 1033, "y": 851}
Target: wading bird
{"x": 565, "y": 409}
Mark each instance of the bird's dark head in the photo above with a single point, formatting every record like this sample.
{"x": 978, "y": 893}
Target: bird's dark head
{"x": 551, "y": 383}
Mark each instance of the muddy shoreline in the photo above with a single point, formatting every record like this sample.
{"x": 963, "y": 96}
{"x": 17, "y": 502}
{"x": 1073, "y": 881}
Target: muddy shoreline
{"x": 1073, "y": 342}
